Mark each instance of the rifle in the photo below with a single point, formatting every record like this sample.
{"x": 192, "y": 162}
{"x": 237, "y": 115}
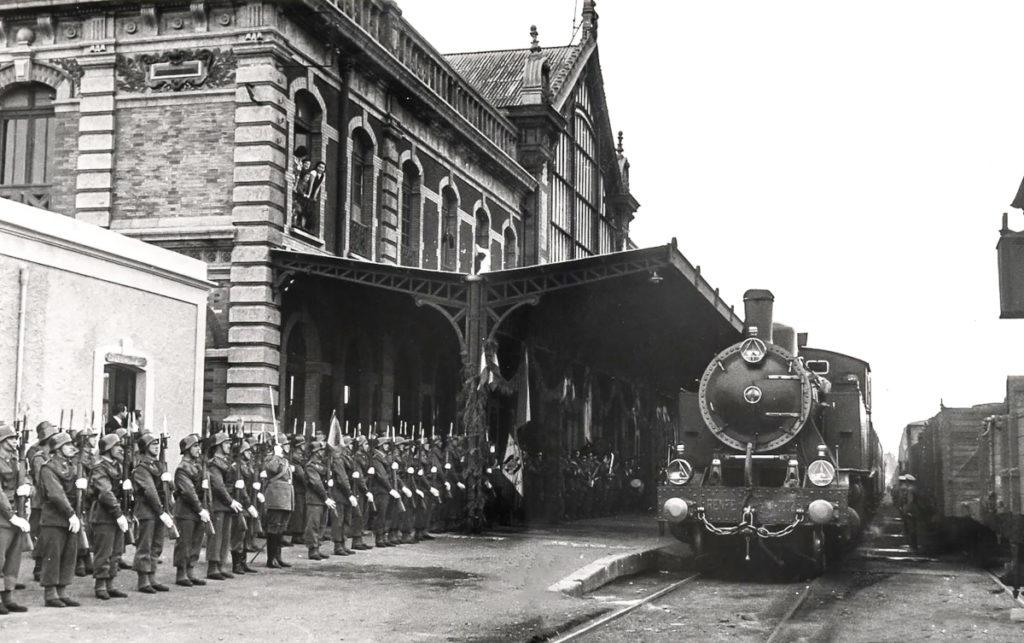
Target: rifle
{"x": 168, "y": 498}
{"x": 83, "y": 538}
{"x": 205, "y": 497}
{"x": 128, "y": 498}
{"x": 23, "y": 476}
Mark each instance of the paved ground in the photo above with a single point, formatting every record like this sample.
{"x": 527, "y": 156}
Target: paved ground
{"x": 455, "y": 588}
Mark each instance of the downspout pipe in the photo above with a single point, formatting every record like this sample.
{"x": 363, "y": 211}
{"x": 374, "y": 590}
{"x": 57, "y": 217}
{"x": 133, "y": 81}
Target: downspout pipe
{"x": 20, "y": 360}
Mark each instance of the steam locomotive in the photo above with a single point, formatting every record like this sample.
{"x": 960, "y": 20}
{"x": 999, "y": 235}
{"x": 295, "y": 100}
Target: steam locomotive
{"x": 777, "y": 458}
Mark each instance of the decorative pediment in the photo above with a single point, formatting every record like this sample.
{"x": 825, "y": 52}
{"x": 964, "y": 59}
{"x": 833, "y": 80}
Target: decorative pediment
{"x": 176, "y": 70}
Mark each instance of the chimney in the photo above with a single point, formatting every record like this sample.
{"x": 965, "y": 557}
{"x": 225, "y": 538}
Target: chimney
{"x": 758, "y": 305}
{"x": 589, "y": 19}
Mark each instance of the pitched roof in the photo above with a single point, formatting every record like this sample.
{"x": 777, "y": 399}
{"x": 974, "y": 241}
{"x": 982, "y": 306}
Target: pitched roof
{"x": 498, "y": 75}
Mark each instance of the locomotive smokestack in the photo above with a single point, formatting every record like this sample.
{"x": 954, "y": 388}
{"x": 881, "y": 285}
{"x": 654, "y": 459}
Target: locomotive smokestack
{"x": 758, "y": 305}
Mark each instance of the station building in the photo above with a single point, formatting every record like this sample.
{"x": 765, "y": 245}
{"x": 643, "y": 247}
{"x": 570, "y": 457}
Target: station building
{"x": 471, "y": 210}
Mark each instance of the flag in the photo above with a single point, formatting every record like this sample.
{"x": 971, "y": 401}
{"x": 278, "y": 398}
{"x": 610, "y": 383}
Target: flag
{"x": 512, "y": 465}
{"x": 334, "y": 435}
{"x": 488, "y": 364}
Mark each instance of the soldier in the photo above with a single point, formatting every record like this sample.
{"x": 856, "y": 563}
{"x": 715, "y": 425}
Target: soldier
{"x": 154, "y": 521}
{"x": 12, "y": 526}
{"x": 222, "y": 479}
{"x": 280, "y": 499}
{"x": 362, "y": 520}
{"x": 37, "y": 455}
{"x": 107, "y": 520}
{"x": 317, "y": 472}
{"x": 910, "y": 510}
{"x": 58, "y": 524}
{"x": 240, "y": 529}
{"x": 378, "y": 476}
{"x": 83, "y": 440}
{"x": 189, "y": 511}
{"x": 296, "y": 456}
{"x": 342, "y": 483}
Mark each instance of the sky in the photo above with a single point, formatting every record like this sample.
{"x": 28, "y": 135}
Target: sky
{"x": 854, "y": 158}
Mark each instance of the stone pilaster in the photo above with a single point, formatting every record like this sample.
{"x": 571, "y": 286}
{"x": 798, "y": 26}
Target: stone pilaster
{"x": 258, "y": 214}
{"x": 387, "y": 227}
{"x": 95, "y": 169}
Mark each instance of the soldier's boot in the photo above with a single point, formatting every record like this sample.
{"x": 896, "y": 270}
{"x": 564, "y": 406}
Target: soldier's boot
{"x": 192, "y": 578}
{"x": 3, "y": 610}
{"x": 272, "y": 551}
{"x": 245, "y": 563}
{"x": 314, "y": 554}
{"x": 101, "y": 590}
{"x": 406, "y": 538}
{"x": 144, "y": 586}
{"x": 236, "y": 564}
{"x": 123, "y": 564}
{"x": 223, "y": 572}
{"x": 181, "y": 578}
{"x": 359, "y": 545}
{"x": 160, "y": 587}
{"x": 80, "y": 567}
{"x": 50, "y": 598}
{"x": 7, "y": 600}
{"x": 213, "y": 571}
{"x": 113, "y": 591}
{"x": 340, "y": 549}
{"x": 277, "y": 551}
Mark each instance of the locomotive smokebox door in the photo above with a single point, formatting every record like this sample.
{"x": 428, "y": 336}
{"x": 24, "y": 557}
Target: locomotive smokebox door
{"x": 1010, "y": 252}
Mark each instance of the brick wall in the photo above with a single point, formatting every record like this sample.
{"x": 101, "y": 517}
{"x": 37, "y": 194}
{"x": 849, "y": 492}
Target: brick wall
{"x": 174, "y": 160}
{"x": 64, "y": 160}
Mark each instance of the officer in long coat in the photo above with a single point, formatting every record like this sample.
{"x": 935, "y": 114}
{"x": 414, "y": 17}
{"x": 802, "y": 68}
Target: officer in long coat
{"x": 58, "y": 523}
{"x": 189, "y": 513}
{"x": 12, "y": 526}
{"x": 154, "y": 521}
{"x": 280, "y": 499}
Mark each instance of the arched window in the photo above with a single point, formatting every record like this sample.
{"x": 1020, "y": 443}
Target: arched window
{"x": 410, "y": 228}
{"x": 588, "y": 185}
{"x": 306, "y": 190}
{"x": 449, "y": 229}
{"x": 511, "y": 249}
{"x": 26, "y": 143}
{"x": 482, "y": 241}
{"x": 361, "y": 194}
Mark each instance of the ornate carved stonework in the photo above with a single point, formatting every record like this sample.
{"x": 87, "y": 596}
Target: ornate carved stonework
{"x": 73, "y": 70}
{"x": 217, "y": 70}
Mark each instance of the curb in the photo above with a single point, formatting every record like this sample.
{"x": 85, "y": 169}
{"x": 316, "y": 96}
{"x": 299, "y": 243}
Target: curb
{"x": 607, "y": 569}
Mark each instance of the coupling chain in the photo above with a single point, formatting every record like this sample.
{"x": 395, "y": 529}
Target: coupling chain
{"x": 746, "y": 524}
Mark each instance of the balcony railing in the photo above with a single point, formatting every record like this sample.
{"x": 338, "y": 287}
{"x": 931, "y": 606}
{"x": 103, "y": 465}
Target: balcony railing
{"x": 410, "y": 254}
{"x": 359, "y": 240}
{"x": 37, "y": 196}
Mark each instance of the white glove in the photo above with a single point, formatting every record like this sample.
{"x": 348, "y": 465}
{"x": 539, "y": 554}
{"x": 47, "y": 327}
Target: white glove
{"x": 394, "y": 466}
{"x": 20, "y": 523}
{"x": 369, "y": 497}
{"x": 252, "y": 512}
{"x": 420, "y": 473}
{"x": 204, "y": 515}
{"x": 447, "y": 485}
{"x": 24, "y": 490}
{"x": 165, "y": 476}
{"x": 239, "y": 484}
{"x": 330, "y": 483}
{"x": 333, "y": 506}
{"x": 291, "y": 467}
{"x": 460, "y": 486}
{"x": 74, "y": 524}
{"x": 353, "y": 501}
{"x": 420, "y": 494}
{"x": 434, "y": 492}
{"x": 409, "y": 470}
{"x": 407, "y": 492}
{"x": 167, "y": 520}
{"x": 487, "y": 483}
{"x": 236, "y": 506}
{"x": 394, "y": 494}
{"x": 448, "y": 466}
{"x": 490, "y": 471}
{"x": 279, "y": 450}
{"x": 127, "y": 485}
{"x": 256, "y": 486}
{"x": 263, "y": 474}
{"x": 492, "y": 448}
{"x": 122, "y": 523}
{"x": 260, "y": 497}
{"x": 433, "y": 469}
{"x": 355, "y": 475}
{"x": 81, "y": 483}
{"x": 371, "y": 471}
{"x": 205, "y": 484}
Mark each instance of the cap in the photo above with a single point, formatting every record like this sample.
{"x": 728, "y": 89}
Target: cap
{"x": 188, "y": 442}
{"x": 45, "y": 430}
{"x": 107, "y": 442}
{"x": 59, "y": 440}
{"x": 6, "y": 432}
{"x": 147, "y": 439}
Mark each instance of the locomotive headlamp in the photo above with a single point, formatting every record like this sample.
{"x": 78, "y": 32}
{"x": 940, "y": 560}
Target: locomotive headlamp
{"x": 820, "y": 511}
{"x": 753, "y": 350}
{"x": 821, "y": 473}
{"x": 676, "y": 509}
{"x": 679, "y": 472}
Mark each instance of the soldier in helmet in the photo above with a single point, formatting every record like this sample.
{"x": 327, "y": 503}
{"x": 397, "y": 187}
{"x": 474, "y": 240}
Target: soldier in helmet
{"x": 189, "y": 512}
{"x": 108, "y": 522}
{"x": 243, "y": 528}
{"x": 280, "y": 497}
{"x": 154, "y": 521}
{"x": 83, "y": 440}
{"x": 361, "y": 518}
{"x": 342, "y": 485}
{"x": 317, "y": 497}
{"x": 296, "y": 457}
{"x": 58, "y": 524}
{"x": 12, "y": 526}
{"x": 37, "y": 455}
{"x": 222, "y": 480}
{"x": 378, "y": 480}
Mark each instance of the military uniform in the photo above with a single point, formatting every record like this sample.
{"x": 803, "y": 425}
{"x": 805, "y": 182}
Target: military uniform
{"x": 341, "y": 491}
{"x": 37, "y": 455}
{"x": 222, "y": 479}
{"x": 297, "y": 522}
{"x": 378, "y": 480}
{"x": 188, "y": 514}
{"x": 357, "y": 482}
{"x": 243, "y": 527}
{"x": 150, "y": 512}
{"x": 57, "y": 545}
{"x": 106, "y": 518}
{"x": 317, "y": 498}
{"x": 280, "y": 495}
{"x": 11, "y": 524}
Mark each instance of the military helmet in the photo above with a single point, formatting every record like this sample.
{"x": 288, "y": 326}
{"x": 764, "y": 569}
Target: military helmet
{"x": 6, "y": 432}
{"x": 147, "y": 439}
{"x": 188, "y": 442}
{"x": 45, "y": 430}
{"x": 245, "y": 446}
{"x": 316, "y": 445}
{"x": 59, "y": 440}
{"x": 80, "y": 437}
{"x": 218, "y": 438}
{"x": 108, "y": 442}
{"x": 298, "y": 440}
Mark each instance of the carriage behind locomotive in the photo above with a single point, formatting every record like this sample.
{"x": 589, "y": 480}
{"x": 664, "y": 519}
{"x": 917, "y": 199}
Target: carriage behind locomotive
{"x": 776, "y": 457}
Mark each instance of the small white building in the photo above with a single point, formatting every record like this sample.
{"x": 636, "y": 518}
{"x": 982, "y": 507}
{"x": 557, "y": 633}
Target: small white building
{"x": 90, "y": 318}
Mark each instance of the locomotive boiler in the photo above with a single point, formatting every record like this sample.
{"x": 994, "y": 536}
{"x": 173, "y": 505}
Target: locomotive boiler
{"x": 777, "y": 457}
